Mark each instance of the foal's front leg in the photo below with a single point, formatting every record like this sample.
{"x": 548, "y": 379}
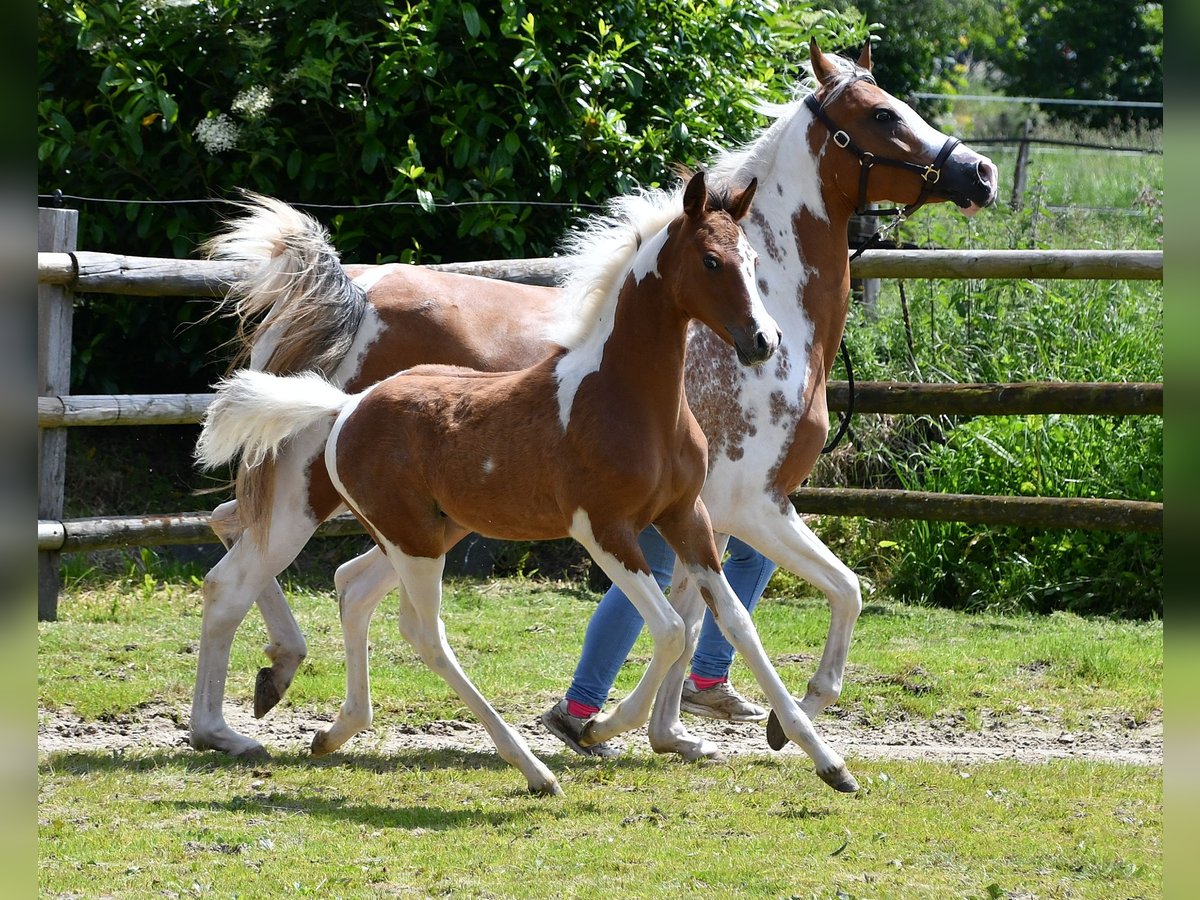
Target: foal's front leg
{"x": 615, "y": 550}
{"x": 666, "y": 731}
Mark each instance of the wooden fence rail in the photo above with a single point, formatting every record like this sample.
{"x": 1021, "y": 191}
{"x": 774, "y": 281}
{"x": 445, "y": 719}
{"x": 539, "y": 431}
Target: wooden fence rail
{"x": 87, "y": 272}
{"x": 63, "y": 271}
{"x": 1097, "y": 398}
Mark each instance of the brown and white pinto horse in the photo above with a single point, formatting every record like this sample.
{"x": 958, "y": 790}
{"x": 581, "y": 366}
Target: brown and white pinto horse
{"x": 596, "y": 441}
{"x": 765, "y": 426}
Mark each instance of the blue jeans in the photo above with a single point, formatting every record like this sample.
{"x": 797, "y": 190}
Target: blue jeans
{"x": 616, "y": 624}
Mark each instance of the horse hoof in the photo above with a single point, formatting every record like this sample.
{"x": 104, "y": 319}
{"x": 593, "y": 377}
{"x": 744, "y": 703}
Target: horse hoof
{"x": 266, "y": 695}
{"x": 321, "y": 744}
{"x": 840, "y": 780}
{"x": 776, "y": 737}
{"x": 548, "y": 789}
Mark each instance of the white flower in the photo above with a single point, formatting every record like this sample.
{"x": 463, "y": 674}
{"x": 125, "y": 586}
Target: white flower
{"x": 253, "y": 102}
{"x": 217, "y": 133}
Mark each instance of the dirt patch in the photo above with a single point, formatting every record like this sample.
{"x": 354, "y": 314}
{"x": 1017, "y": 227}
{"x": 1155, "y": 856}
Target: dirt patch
{"x": 1033, "y": 738}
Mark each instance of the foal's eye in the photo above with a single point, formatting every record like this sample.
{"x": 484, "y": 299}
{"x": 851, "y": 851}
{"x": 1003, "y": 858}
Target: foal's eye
{"x": 711, "y": 261}
{"x": 884, "y": 115}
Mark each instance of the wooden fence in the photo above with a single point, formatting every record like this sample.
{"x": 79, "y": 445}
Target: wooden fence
{"x": 63, "y": 271}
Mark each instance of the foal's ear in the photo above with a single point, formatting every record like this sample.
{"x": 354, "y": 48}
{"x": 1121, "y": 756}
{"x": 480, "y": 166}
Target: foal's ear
{"x": 822, "y": 68}
{"x": 695, "y": 196}
{"x": 864, "y": 58}
{"x": 740, "y": 204}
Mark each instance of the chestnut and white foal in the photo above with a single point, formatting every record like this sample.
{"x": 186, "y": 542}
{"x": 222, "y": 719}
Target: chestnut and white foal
{"x": 597, "y": 441}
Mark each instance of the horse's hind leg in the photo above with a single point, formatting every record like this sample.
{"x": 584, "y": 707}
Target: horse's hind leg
{"x": 241, "y": 576}
{"x": 421, "y": 625}
{"x": 361, "y": 584}
{"x": 287, "y": 648}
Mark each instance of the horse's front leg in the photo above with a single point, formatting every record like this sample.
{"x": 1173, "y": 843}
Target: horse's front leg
{"x": 361, "y": 583}
{"x": 666, "y": 731}
{"x": 615, "y": 549}
{"x": 785, "y": 538}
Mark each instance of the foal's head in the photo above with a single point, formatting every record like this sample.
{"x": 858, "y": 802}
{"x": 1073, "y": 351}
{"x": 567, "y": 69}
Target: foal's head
{"x": 713, "y": 268}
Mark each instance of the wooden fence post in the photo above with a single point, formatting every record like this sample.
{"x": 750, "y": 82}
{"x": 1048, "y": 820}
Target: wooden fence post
{"x": 1021, "y": 174}
{"x": 58, "y": 230}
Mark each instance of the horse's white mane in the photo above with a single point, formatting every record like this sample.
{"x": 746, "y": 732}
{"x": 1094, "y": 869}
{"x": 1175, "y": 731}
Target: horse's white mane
{"x": 601, "y": 251}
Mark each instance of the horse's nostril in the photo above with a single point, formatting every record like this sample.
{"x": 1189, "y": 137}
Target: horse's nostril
{"x": 761, "y": 342}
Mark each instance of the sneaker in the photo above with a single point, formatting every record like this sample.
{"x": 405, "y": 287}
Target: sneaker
{"x": 567, "y": 728}
{"x": 720, "y": 701}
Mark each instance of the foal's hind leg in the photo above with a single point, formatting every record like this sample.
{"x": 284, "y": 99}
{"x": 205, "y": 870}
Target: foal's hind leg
{"x": 361, "y": 584}
{"x": 287, "y": 648}
{"x": 242, "y": 576}
{"x": 421, "y": 625}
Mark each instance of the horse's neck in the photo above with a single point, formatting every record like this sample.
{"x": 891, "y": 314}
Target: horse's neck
{"x": 648, "y": 343}
{"x": 798, "y": 226}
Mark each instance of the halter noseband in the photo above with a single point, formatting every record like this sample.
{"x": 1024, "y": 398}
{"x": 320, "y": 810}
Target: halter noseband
{"x": 930, "y": 174}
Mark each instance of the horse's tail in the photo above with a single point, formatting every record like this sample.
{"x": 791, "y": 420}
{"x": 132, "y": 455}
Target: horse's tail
{"x": 255, "y": 412}
{"x": 298, "y": 310}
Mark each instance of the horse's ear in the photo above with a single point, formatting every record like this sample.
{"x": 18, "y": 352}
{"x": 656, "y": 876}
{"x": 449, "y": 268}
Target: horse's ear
{"x": 740, "y": 205}
{"x": 822, "y": 68}
{"x": 695, "y": 196}
{"x": 864, "y": 58}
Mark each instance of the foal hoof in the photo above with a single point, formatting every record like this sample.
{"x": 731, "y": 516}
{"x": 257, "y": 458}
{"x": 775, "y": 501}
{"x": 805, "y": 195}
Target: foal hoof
{"x": 840, "y": 780}
{"x": 266, "y": 695}
{"x": 776, "y": 737}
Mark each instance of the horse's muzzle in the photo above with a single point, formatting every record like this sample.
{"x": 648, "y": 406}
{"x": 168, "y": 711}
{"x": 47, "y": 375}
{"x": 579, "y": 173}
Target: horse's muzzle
{"x": 755, "y": 346}
{"x": 970, "y": 181}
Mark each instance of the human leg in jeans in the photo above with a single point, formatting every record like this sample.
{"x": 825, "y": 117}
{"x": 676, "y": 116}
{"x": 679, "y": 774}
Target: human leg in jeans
{"x": 614, "y": 628}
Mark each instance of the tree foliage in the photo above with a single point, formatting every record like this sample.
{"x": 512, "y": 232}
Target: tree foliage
{"x": 493, "y": 122}
{"x": 1110, "y": 50}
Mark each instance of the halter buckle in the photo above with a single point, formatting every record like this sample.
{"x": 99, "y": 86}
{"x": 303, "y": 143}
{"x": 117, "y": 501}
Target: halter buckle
{"x": 931, "y": 175}
{"x": 841, "y": 139}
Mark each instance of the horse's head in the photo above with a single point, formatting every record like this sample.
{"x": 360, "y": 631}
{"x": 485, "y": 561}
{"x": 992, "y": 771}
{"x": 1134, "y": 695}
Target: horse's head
{"x": 879, "y": 149}
{"x": 714, "y": 271}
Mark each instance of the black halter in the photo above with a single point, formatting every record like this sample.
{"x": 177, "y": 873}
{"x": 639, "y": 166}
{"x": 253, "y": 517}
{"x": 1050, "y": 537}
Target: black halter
{"x": 930, "y": 174}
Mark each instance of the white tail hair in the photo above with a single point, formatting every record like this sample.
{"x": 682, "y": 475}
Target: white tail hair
{"x": 255, "y": 412}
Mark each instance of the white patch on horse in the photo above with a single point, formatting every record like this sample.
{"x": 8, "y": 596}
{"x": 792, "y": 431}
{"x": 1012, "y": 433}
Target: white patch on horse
{"x": 489, "y": 466}
{"x": 373, "y": 276}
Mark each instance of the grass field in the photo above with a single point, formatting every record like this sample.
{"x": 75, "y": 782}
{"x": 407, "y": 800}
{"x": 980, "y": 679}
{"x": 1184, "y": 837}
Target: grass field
{"x": 174, "y": 822}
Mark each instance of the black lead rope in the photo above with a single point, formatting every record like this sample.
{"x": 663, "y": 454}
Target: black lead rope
{"x": 844, "y": 419}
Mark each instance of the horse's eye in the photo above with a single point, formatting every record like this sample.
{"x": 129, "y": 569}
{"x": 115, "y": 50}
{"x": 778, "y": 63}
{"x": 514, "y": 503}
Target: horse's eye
{"x": 885, "y": 115}
{"x": 711, "y": 261}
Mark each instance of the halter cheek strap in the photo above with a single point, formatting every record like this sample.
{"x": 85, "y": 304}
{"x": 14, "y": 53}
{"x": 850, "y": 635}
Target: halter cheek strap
{"x": 930, "y": 174}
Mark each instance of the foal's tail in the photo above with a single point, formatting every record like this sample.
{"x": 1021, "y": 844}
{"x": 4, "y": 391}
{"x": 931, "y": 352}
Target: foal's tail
{"x": 296, "y": 310}
{"x": 255, "y": 412}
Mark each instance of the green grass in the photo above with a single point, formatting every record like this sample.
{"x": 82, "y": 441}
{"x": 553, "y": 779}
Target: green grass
{"x": 180, "y": 823}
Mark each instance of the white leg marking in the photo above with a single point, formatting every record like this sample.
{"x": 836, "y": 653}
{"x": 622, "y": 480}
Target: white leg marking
{"x": 666, "y": 628}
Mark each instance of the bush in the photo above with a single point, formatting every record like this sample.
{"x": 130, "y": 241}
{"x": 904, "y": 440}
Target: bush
{"x": 519, "y": 113}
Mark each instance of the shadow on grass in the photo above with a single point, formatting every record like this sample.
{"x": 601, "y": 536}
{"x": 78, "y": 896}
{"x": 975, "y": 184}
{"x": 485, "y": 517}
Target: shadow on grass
{"x": 564, "y": 764}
